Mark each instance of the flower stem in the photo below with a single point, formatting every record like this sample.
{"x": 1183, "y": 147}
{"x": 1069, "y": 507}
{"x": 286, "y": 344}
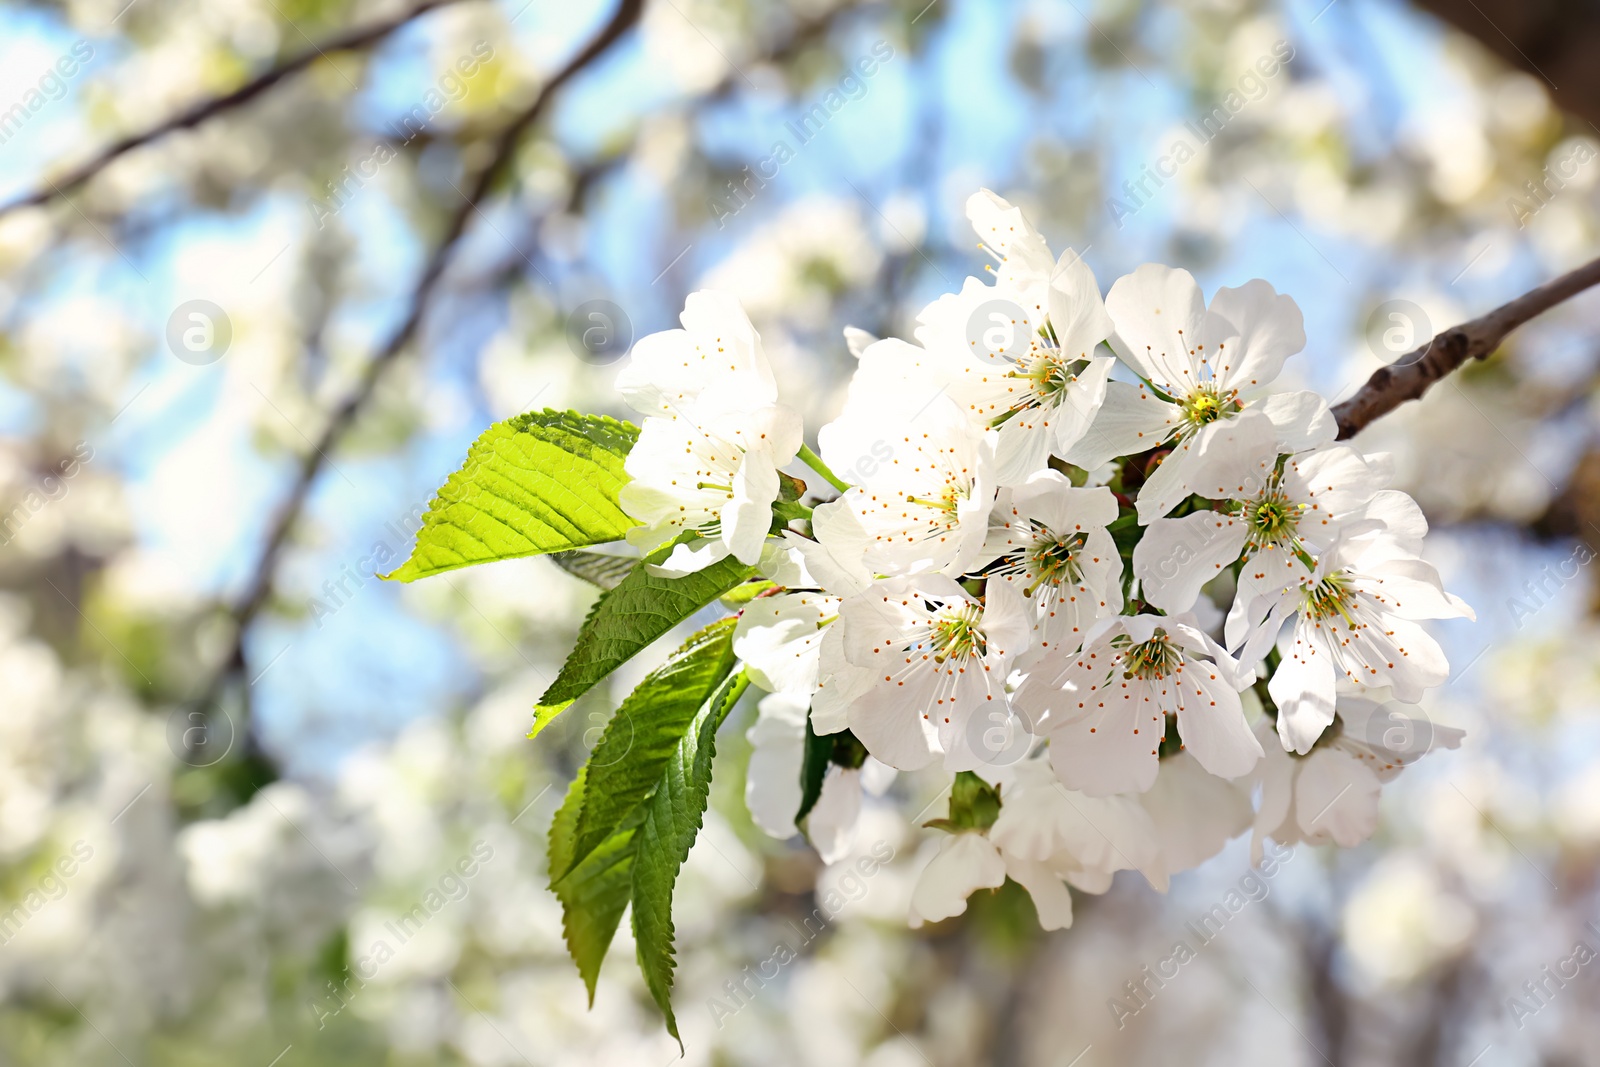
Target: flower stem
{"x": 814, "y": 461}
{"x": 789, "y": 510}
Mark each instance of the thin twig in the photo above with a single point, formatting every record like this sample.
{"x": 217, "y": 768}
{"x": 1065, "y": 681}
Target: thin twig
{"x": 352, "y": 40}
{"x": 255, "y": 595}
{"x": 804, "y": 33}
{"x": 1389, "y": 387}
{"x": 627, "y": 14}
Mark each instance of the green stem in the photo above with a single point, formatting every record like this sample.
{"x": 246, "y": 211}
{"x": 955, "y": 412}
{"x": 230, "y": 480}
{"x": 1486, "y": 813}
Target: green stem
{"x": 789, "y": 510}
{"x": 814, "y": 461}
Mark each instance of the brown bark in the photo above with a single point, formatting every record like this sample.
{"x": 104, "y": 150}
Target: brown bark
{"x": 1554, "y": 40}
{"x": 1411, "y": 376}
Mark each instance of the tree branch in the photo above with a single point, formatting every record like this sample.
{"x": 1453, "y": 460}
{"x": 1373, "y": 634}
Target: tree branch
{"x": 350, "y": 41}
{"x": 1389, "y": 387}
{"x": 627, "y": 13}
{"x": 255, "y": 595}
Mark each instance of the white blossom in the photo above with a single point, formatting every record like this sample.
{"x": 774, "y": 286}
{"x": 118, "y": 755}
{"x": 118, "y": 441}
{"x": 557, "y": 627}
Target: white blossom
{"x": 963, "y": 602}
{"x": 1048, "y": 540}
{"x": 1019, "y": 355}
{"x": 773, "y": 788}
{"x": 779, "y": 640}
{"x": 1331, "y": 794}
{"x": 835, "y": 557}
{"x": 1355, "y": 621}
{"x": 1046, "y": 838}
{"x": 965, "y": 863}
{"x": 923, "y": 506}
{"x": 1105, "y": 708}
{"x": 1273, "y": 516}
{"x": 835, "y": 819}
{"x": 706, "y": 462}
{"x": 1084, "y": 839}
{"x": 1195, "y": 812}
{"x": 717, "y": 345}
{"x": 1199, "y": 368}
{"x": 915, "y": 659}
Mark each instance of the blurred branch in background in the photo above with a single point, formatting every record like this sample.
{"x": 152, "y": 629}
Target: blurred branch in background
{"x": 364, "y": 37}
{"x": 255, "y": 595}
{"x": 804, "y": 33}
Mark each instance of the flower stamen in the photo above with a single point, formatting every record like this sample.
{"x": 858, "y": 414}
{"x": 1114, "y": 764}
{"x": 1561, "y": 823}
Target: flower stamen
{"x": 957, "y": 634}
{"x": 1329, "y": 597}
{"x": 1151, "y": 660}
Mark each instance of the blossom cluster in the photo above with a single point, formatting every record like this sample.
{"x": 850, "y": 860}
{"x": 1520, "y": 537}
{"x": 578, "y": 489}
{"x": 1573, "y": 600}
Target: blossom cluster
{"x": 1077, "y": 549}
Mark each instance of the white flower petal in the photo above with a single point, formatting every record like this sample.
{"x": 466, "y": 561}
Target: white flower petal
{"x": 1412, "y": 590}
{"x": 1077, "y": 312}
{"x": 748, "y": 516}
{"x": 783, "y": 564}
{"x": 1303, "y": 689}
{"x": 1275, "y": 773}
{"x": 1211, "y": 723}
{"x": 964, "y": 864}
{"x": 1071, "y": 833}
{"x": 688, "y": 558}
{"x": 1195, "y": 812}
{"x": 1021, "y": 450}
{"x": 1249, "y": 332}
{"x": 1074, "y": 419}
{"x": 772, "y": 778}
{"x": 1131, "y": 419}
{"x": 893, "y": 720}
{"x": 839, "y": 684}
{"x": 1303, "y": 419}
{"x": 1235, "y": 457}
{"x": 1113, "y": 747}
{"x": 1051, "y": 899}
{"x": 779, "y": 638}
{"x": 1025, "y": 261}
{"x": 1159, "y": 312}
{"x": 1399, "y": 517}
{"x": 1175, "y": 557}
{"x": 1337, "y": 483}
{"x": 1335, "y": 796}
{"x": 1274, "y": 571}
{"x": 857, "y": 340}
{"x": 831, "y": 826}
{"x": 876, "y": 778}
{"x": 1169, "y": 484}
{"x": 836, "y": 557}
{"x": 668, "y": 370}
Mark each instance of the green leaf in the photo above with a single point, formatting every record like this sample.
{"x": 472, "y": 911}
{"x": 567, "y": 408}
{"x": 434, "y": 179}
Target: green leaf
{"x": 671, "y": 822}
{"x": 596, "y": 568}
{"x": 542, "y": 482}
{"x": 638, "y": 861}
{"x": 595, "y": 893}
{"x": 626, "y": 620}
{"x": 642, "y": 737}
